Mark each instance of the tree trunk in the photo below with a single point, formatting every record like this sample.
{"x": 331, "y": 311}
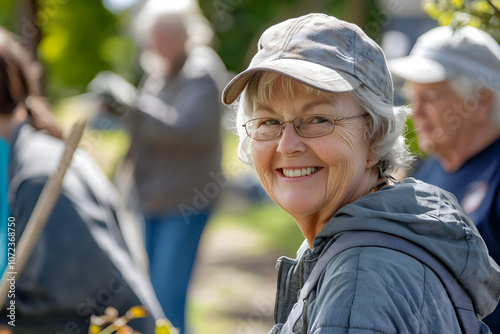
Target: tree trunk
{"x": 28, "y": 27}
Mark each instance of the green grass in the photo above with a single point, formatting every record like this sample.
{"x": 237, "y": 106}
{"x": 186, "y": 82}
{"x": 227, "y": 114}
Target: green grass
{"x": 278, "y": 229}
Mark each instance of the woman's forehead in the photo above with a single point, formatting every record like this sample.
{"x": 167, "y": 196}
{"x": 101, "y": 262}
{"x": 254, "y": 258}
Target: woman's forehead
{"x": 293, "y": 91}
{"x": 269, "y": 84}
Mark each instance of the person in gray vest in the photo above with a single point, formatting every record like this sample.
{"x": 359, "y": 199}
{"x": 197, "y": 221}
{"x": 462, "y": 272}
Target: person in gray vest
{"x": 316, "y": 120}
{"x": 81, "y": 263}
{"x": 173, "y": 119}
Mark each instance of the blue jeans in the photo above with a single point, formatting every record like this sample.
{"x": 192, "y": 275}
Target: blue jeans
{"x": 171, "y": 244}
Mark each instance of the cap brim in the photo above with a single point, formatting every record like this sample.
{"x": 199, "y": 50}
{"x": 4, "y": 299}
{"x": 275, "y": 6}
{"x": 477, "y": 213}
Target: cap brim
{"x": 419, "y": 69}
{"x": 311, "y": 74}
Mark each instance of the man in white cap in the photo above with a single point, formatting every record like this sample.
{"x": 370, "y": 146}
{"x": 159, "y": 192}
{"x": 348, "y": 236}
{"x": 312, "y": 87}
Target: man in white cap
{"x": 454, "y": 88}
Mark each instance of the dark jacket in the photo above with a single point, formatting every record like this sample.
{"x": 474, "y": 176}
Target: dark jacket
{"x": 377, "y": 290}
{"x": 81, "y": 263}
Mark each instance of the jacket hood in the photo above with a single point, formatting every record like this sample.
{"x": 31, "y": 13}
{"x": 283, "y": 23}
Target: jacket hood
{"x": 432, "y": 218}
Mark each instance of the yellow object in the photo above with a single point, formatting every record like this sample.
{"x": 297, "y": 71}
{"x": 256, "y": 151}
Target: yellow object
{"x": 94, "y": 329}
{"x": 164, "y": 326}
{"x": 138, "y": 312}
{"x": 482, "y": 6}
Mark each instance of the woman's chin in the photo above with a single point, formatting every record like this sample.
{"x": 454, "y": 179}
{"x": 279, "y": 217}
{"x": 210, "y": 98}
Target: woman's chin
{"x": 300, "y": 208}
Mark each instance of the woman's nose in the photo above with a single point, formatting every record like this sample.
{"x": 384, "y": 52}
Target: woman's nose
{"x": 290, "y": 142}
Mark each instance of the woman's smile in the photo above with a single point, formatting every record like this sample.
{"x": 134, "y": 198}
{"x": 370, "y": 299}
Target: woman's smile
{"x": 297, "y": 172}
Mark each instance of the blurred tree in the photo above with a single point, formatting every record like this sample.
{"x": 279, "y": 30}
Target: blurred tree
{"x": 238, "y": 24}
{"x": 75, "y": 39}
{"x": 30, "y": 9}
{"x": 7, "y": 7}
{"x": 79, "y": 38}
{"x": 21, "y": 23}
{"x": 482, "y": 14}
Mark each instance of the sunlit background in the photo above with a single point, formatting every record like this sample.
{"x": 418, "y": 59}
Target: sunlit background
{"x": 234, "y": 284}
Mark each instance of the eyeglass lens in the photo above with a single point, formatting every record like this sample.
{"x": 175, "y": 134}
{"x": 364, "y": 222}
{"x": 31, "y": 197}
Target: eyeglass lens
{"x": 306, "y": 126}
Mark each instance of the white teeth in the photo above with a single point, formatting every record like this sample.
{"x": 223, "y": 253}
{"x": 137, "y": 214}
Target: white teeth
{"x": 299, "y": 172}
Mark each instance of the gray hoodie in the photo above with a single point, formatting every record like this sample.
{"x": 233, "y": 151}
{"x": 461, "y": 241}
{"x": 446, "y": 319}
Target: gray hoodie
{"x": 377, "y": 290}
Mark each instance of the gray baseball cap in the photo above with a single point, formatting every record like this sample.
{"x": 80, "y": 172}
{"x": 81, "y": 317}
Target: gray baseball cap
{"x": 320, "y": 51}
{"x": 442, "y": 53}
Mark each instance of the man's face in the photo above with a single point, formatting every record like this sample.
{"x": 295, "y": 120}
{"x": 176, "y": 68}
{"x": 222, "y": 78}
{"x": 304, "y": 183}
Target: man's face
{"x": 168, "y": 41}
{"x": 440, "y": 116}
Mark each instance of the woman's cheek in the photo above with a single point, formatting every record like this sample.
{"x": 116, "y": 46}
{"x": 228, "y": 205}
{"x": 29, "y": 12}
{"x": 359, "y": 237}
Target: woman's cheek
{"x": 262, "y": 157}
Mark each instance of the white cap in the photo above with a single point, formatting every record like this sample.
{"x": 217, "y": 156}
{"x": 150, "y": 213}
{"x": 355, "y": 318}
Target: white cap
{"x": 442, "y": 53}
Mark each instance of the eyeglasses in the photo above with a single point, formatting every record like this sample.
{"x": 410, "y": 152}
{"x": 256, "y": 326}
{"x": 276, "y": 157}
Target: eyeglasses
{"x": 310, "y": 126}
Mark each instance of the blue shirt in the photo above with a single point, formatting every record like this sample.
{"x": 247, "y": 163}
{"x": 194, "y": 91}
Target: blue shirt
{"x": 477, "y": 188}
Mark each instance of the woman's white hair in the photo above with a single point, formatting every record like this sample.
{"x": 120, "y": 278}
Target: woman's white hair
{"x": 384, "y": 126}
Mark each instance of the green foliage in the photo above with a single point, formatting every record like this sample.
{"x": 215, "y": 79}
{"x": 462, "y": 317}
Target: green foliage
{"x": 239, "y": 23}
{"x": 79, "y": 39}
{"x": 482, "y": 14}
{"x": 7, "y": 20}
{"x": 278, "y": 229}
{"x": 411, "y": 139}
{"x": 69, "y": 35}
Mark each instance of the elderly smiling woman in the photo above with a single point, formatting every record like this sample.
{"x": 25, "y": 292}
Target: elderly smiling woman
{"x": 316, "y": 120}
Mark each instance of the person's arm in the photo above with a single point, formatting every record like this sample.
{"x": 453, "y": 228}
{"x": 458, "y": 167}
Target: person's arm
{"x": 192, "y": 120}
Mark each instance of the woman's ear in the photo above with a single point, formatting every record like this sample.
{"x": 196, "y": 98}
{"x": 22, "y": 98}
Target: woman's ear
{"x": 372, "y": 159}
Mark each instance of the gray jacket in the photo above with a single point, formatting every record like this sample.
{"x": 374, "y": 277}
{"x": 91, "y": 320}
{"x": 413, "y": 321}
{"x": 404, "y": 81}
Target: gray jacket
{"x": 176, "y": 146}
{"x": 81, "y": 263}
{"x": 377, "y": 290}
